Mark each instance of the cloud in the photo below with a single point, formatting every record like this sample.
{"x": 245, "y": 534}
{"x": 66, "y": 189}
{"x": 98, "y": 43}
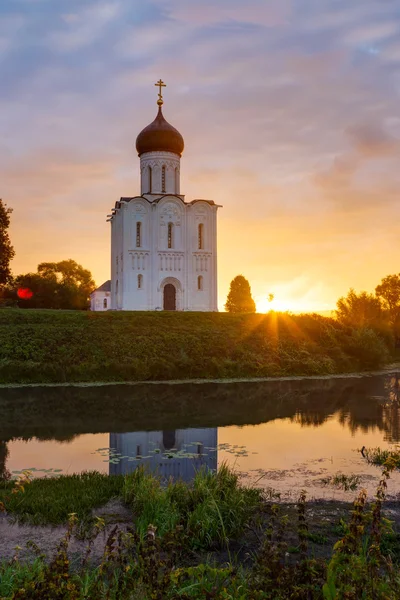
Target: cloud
{"x": 83, "y": 28}
{"x": 371, "y": 32}
{"x": 255, "y": 12}
{"x": 289, "y": 121}
{"x": 370, "y": 140}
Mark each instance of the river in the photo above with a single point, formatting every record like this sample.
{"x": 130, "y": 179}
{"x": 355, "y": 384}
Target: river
{"x": 283, "y": 435}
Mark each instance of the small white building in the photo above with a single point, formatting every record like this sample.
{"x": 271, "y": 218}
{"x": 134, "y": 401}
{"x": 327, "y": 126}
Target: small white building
{"x": 163, "y": 249}
{"x": 100, "y": 299}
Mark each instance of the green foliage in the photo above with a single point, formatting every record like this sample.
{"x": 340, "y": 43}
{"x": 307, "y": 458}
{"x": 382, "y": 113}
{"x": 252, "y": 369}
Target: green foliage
{"x": 377, "y": 456}
{"x": 6, "y": 250}
{"x": 58, "y": 346}
{"x": 343, "y": 481}
{"x": 388, "y": 291}
{"x": 214, "y": 509}
{"x": 360, "y": 310}
{"x": 368, "y": 348}
{"x": 62, "y": 285}
{"x": 50, "y": 500}
{"x": 149, "y": 563}
{"x": 239, "y": 299}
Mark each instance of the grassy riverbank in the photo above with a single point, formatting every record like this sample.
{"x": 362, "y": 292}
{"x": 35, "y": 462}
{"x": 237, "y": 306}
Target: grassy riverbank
{"x": 211, "y": 539}
{"x": 39, "y": 346}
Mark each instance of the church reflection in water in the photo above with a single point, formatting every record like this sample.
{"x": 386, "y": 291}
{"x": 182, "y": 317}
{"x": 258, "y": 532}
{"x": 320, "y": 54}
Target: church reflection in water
{"x": 176, "y": 453}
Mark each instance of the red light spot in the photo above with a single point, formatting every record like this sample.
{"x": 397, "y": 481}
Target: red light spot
{"x": 24, "y": 293}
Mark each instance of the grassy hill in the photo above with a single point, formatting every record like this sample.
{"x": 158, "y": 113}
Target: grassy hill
{"x": 38, "y": 346}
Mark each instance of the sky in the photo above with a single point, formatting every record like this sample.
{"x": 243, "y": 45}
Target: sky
{"x": 290, "y": 112}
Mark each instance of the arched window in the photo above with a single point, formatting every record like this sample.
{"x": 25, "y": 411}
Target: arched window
{"x": 201, "y": 236}
{"x": 105, "y": 303}
{"x": 170, "y": 235}
{"x": 138, "y": 234}
{"x": 200, "y": 282}
{"x": 116, "y": 288}
{"x": 176, "y": 181}
{"x": 163, "y": 179}
{"x": 150, "y": 179}
{"x": 140, "y": 282}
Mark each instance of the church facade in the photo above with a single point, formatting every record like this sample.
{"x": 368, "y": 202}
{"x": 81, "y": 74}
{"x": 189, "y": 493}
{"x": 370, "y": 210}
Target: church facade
{"x": 163, "y": 248}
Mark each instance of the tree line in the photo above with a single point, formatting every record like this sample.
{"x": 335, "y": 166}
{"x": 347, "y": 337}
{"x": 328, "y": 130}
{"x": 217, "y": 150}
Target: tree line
{"x": 67, "y": 285}
{"x": 64, "y": 284}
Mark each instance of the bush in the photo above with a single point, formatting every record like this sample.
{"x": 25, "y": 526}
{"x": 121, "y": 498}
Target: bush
{"x": 68, "y": 346}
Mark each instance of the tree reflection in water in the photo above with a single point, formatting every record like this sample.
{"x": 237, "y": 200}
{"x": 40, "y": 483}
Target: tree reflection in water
{"x": 372, "y": 412}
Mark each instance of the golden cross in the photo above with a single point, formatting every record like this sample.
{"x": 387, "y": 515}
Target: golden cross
{"x": 160, "y": 84}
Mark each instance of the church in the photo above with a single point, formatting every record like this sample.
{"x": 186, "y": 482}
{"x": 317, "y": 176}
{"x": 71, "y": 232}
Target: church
{"x": 163, "y": 248}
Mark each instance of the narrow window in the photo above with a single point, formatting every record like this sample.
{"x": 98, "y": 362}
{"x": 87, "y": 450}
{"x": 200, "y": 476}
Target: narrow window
{"x": 150, "y": 179}
{"x": 199, "y": 449}
{"x": 200, "y": 282}
{"x": 201, "y": 236}
{"x": 116, "y": 288}
{"x": 170, "y": 240}
{"x": 140, "y": 282}
{"x": 138, "y": 234}
{"x": 105, "y": 303}
{"x": 176, "y": 181}
{"x": 163, "y": 179}
{"x": 138, "y": 451}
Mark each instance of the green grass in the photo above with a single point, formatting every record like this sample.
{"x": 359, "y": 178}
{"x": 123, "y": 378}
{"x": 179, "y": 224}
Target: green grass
{"x": 211, "y": 510}
{"x": 378, "y": 456}
{"x": 40, "y": 346}
{"x": 16, "y": 575}
{"x": 49, "y": 501}
{"x": 163, "y": 556}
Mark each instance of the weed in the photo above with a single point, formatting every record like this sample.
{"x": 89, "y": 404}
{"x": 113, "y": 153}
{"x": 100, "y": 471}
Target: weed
{"x": 343, "y": 481}
{"x": 50, "y": 501}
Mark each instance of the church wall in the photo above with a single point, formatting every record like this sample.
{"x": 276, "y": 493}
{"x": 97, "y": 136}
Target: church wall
{"x": 166, "y": 222}
{"x": 202, "y": 263}
{"x": 117, "y": 251}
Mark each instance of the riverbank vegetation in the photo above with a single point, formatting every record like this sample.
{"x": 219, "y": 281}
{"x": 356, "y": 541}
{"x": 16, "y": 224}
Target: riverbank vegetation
{"x": 39, "y": 346}
{"x": 212, "y": 539}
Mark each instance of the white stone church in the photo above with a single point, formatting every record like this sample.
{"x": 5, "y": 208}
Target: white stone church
{"x": 163, "y": 249}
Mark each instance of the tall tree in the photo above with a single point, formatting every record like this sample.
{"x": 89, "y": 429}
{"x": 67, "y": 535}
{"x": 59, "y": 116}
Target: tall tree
{"x": 360, "y": 310}
{"x": 65, "y": 285}
{"x": 389, "y": 293}
{"x": 239, "y": 299}
{"x": 6, "y": 250}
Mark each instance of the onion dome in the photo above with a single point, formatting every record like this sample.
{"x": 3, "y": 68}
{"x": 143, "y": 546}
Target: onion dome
{"x": 159, "y": 136}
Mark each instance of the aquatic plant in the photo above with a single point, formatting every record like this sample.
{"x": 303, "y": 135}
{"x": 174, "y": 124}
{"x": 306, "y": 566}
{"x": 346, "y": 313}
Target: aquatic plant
{"x": 342, "y": 481}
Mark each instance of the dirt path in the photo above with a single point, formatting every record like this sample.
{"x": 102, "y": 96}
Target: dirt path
{"x": 324, "y": 520}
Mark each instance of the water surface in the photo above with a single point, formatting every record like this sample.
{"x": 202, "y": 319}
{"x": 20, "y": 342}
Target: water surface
{"x": 286, "y": 435}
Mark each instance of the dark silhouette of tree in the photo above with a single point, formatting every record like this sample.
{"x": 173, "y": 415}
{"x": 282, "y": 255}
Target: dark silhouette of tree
{"x": 65, "y": 285}
{"x": 239, "y": 299}
{"x": 388, "y": 291}
{"x": 360, "y": 310}
{"x": 4, "y": 473}
{"x": 6, "y": 250}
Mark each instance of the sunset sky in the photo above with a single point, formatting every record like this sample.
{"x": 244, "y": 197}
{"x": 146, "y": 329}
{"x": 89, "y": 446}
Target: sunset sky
{"x": 290, "y": 111}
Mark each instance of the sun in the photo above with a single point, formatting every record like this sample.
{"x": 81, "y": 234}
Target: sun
{"x": 279, "y": 304}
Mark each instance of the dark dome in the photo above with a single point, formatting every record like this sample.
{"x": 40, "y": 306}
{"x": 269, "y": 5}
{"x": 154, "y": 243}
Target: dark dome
{"x": 159, "y": 136}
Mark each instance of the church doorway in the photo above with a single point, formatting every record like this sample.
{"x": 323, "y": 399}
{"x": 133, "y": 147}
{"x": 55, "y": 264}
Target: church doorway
{"x": 169, "y": 297}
